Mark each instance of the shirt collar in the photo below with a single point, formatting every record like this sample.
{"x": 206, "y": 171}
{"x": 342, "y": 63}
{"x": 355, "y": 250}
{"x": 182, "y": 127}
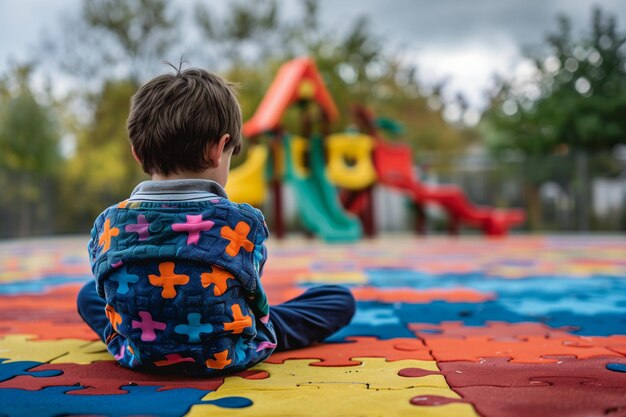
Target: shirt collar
{"x": 173, "y": 187}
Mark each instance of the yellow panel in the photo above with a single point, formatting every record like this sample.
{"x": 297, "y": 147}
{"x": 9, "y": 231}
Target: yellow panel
{"x": 20, "y": 347}
{"x": 373, "y": 388}
{"x": 344, "y": 277}
{"x": 299, "y": 151}
{"x": 375, "y": 372}
{"x": 246, "y": 183}
{"x": 337, "y": 400}
{"x": 306, "y": 90}
{"x": 90, "y": 353}
{"x": 357, "y": 148}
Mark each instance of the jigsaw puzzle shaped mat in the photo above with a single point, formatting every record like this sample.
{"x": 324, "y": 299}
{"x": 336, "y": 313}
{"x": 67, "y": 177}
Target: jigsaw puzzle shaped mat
{"x": 444, "y": 327}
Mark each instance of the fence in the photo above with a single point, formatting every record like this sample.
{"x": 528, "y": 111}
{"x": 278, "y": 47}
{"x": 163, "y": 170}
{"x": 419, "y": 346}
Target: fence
{"x": 560, "y": 193}
{"x": 571, "y": 192}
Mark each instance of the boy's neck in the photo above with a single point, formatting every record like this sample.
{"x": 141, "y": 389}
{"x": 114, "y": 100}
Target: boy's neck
{"x": 178, "y": 176}
{"x": 185, "y": 175}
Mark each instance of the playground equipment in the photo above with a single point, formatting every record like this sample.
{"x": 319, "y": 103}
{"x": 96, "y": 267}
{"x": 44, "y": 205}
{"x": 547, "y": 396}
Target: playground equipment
{"x": 356, "y": 162}
{"x": 351, "y": 169}
{"x": 394, "y": 167}
{"x": 349, "y": 163}
{"x": 296, "y": 80}
{"x": 320, "y": 210}
{"x": 294, "y": 159}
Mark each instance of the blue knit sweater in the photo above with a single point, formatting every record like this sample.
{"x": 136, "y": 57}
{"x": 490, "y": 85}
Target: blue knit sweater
{"x": 179, "y": 266}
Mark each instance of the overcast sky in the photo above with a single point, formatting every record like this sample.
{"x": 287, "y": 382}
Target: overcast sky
{"x": 466, "y": 41}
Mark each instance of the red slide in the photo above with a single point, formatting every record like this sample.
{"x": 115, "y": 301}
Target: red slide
{"x": 394, "y": 166}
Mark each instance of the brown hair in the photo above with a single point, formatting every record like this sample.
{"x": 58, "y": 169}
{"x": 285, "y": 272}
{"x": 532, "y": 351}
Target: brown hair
{"x": 175, "y": 117}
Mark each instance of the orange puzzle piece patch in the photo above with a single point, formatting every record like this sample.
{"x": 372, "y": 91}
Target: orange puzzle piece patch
{"x": 48, "y": 330}
{"x": 221, "y": 361}
{"x": 240, "y": 322}
{"x": 168, "y": 279}
{"x": 219, "y": 278}
{"x": 238, "y": 238}
{"x": 504, "y": 330}
{"x": 113, "y": 316}
{"x": 107, "y": 234}
{"x": 530, "y": 349}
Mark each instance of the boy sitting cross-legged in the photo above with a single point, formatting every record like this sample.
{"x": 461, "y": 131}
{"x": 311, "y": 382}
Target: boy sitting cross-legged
{"x": 178, "y": 266}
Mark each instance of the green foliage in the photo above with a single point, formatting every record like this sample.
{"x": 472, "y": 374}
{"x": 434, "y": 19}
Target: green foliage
{"x": 29, "y": 137}
{"x": 110, "y": 46}
{"x": 354, "y": 65}
{"x": 29, "y": 155}
{"x": 576, "y": 100}
{"x": 102, "y": 171}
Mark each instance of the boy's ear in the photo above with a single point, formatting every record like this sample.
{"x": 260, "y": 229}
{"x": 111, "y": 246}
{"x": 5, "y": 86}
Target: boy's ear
{"x": 215, "y": 151}
{"x": 132, "y": 149}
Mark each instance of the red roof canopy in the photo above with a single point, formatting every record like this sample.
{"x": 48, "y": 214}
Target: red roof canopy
{"x": 284, "y": 90}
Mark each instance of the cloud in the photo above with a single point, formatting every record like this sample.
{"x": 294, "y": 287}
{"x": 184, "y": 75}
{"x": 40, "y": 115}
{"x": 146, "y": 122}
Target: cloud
{"x": 465, "y": 40}
{"x": 447, "y": 22}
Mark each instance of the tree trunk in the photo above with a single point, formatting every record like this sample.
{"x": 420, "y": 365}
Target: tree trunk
{"x": 533, "y": 205}
{"x": 582, "y": 190}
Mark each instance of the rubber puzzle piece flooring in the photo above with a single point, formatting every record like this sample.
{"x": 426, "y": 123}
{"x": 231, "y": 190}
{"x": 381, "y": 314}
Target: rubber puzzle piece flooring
{"x": 444, "y": 327}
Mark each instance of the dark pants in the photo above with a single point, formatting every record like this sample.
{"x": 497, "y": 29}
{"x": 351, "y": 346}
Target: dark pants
{"x": 302, "y": 321}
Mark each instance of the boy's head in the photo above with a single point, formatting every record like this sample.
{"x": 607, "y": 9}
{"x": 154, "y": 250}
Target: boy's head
{"x": 176, "y": 120}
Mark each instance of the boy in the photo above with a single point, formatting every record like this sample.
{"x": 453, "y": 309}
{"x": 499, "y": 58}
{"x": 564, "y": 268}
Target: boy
{"x": 178, "y": 265}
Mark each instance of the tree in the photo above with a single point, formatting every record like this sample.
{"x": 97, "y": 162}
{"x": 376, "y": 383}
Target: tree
{"x": 115, "y": 39}
{"x": 102, "y": 171}
{"x": 574, "y": 106}
{"x": 247, "y": 32}
{"x": 109, "y": 47}
{"x": 577, "y": 99}
{"x": 355, "y": 66}
{"x": 29, "y": 154}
